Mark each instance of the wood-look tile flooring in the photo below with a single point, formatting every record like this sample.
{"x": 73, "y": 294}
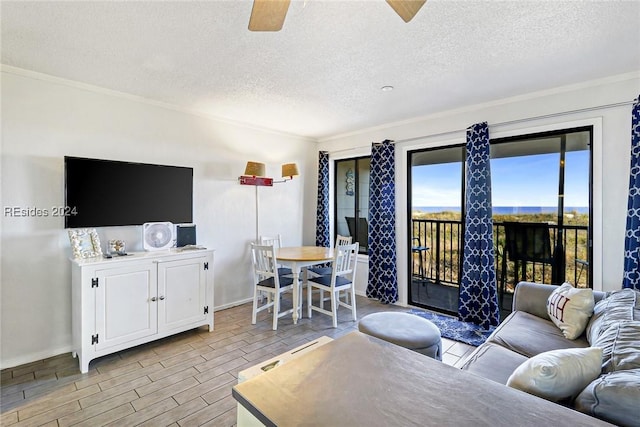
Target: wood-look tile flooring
{"x": 183, "y": 380}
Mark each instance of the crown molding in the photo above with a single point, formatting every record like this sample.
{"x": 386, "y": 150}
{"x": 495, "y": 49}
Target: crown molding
{"x": 518, "y": 98}
{"x": 109, "y": 92}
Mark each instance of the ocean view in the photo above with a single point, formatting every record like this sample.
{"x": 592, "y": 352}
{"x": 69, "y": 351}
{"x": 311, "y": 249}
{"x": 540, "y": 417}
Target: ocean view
{"x": 507, "y": 210}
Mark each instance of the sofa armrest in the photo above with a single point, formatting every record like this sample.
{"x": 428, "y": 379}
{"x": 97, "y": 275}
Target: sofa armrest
{"x": 532, "y": 298}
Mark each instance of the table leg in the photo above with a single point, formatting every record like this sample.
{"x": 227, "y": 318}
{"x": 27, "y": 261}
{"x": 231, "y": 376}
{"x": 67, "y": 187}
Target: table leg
{"x": 305, "y": 281}
{"x": 296, "y": 291}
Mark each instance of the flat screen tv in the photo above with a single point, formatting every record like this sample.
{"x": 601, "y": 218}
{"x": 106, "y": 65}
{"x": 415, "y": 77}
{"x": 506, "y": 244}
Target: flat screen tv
{"x": 102, "y": 193}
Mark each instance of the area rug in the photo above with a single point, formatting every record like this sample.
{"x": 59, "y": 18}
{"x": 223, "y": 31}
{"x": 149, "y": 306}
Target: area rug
{"x": 454, "y": 329}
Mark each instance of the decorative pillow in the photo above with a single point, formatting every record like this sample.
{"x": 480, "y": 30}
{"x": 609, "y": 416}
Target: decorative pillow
{"x": 558, "y": 374}
{"x": 620, "y": 345}
{"x": 612, "y": 397}
{"x": 620, "y": 305}
{"x": 570, "y": 308}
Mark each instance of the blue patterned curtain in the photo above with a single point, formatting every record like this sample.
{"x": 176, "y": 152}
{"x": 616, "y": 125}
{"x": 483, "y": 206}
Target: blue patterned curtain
{"x": 383, "y": 275}
{"x": 478, "y": 301}
{"x": 323, "y": 237}
{"x": 631, "y": 278}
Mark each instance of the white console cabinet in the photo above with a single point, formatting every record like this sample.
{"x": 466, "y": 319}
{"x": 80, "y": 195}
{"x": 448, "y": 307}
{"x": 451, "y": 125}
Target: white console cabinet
{"x": 130, "y": 300}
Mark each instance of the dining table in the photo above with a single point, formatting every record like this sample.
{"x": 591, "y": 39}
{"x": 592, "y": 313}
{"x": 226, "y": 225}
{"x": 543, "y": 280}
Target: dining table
{"x": 298, "y": 258}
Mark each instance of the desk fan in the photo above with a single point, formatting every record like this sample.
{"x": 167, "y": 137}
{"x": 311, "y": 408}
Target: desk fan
{"x": 157, "y": 236}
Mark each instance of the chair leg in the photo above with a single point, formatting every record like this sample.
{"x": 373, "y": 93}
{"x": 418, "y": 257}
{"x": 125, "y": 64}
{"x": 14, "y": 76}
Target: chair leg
{"x": 254, "y": 312}
{"x": 309, "y": 294}
{"x": 276, "y": 310}
{"x": 334, "y": 309}
{"x": 353, "y": 302}
{"x": 321, "y": 299}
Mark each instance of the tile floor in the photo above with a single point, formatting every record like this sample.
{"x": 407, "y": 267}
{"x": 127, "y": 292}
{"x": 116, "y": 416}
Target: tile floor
{"x": 183, "y": 380}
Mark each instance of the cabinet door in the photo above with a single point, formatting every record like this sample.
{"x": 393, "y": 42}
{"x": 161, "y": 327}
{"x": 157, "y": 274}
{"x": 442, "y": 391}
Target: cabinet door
{"x": 181, "y": 293}
{"x": 125, "y": 304}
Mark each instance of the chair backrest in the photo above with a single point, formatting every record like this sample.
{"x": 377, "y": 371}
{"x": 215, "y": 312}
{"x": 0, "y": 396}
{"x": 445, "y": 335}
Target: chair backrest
{"x": 272, "y": 241}
{"x": 363, "y": 230}
{"x": 343, "y": 240}
{"x": 344, "y": 261}
{"x": 264, "y": 264}
{"x": 527, "y": 241}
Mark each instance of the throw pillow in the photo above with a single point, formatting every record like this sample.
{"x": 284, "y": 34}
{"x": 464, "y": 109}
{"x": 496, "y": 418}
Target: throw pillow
{"x": 558, "y": 374}
{"x": 612, "y": 397}
{"x": 570, "y": 308}
{"x": 620, "y": 305}
{"x": 620, "y": 345}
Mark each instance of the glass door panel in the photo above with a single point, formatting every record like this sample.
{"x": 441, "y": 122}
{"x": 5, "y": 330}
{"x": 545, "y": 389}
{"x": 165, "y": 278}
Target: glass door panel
{"x": 352, "y": 199}
{"x": 436, "y": 188}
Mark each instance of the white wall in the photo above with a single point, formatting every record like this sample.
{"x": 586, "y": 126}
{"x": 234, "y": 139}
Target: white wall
{"x": 44, "y": 119}
{"x": 536, "y": 112}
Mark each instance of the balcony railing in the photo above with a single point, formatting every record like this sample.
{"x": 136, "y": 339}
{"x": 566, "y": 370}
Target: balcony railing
{"x": 442, "y": 261}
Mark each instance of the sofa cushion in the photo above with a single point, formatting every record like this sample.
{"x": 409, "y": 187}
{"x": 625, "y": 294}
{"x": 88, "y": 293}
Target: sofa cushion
{"x": 618, "y": 306}
{"x": 621, "y": 345}
{"x": 529, "y": 335}
{"x": 612, "y": 397}
{"x": 558, "y": 374}
{"x": 493, "y": 362}
{"x": 570, "y": 308}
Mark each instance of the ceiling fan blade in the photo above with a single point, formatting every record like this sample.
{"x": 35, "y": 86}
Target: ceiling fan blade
{"x": 407, "y": 9}
{"x": 268, "y": 15}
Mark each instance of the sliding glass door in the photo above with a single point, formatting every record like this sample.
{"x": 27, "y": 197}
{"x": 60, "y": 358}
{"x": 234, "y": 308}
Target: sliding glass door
{"x": 541, "y": 180}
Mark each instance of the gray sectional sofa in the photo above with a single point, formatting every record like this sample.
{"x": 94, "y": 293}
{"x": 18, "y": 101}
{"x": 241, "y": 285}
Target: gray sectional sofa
{"x": 528, "y": 331}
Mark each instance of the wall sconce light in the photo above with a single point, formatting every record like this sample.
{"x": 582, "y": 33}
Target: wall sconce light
{"x": 289, "y": 170}
{"x": 254, "y": 174}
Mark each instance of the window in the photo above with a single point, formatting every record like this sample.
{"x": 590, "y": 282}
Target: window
{"x": 352, "y": 199}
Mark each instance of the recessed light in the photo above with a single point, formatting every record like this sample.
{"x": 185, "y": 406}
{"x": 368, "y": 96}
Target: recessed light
{"x": 386, "y": 88}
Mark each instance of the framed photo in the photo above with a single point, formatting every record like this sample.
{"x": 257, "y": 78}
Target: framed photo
{"x": 85, "y": 243}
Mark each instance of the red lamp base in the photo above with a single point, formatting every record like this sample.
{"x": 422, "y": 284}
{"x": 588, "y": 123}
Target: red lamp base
{"x": 256, "y": 180}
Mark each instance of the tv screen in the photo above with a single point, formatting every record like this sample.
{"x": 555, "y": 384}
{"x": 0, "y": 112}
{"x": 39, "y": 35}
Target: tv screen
{"x": 102, "y": 193}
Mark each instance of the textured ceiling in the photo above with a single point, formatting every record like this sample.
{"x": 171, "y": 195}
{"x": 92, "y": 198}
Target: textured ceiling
{"x": 321, "y": 75}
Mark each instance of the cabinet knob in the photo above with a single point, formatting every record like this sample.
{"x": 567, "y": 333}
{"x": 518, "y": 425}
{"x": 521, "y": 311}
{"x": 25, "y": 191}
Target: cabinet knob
{"x": 154, "y": 299}
{"x": 162, "y": 298}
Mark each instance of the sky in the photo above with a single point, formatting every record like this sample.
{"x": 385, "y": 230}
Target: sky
{"x": 515, "y": 181}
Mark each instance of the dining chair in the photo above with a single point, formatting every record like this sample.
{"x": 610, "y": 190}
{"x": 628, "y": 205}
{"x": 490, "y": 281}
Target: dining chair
{"x": 325, "y": 271}
{"x": 277, "y": 242}
{"x": 342, "y": 277}
{"x": 267, "y": 280}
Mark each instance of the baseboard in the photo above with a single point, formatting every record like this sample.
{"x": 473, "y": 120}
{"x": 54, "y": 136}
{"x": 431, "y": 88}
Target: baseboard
{"x": 34, "y": 357}
{"x": 244, "y": 301}
{"x": 232, "y": 304}
{"x": 364, "y": 294}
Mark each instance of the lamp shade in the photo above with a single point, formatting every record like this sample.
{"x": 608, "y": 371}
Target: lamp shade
{"x": 289, "y": 169}
{"x": 254, "y": 169}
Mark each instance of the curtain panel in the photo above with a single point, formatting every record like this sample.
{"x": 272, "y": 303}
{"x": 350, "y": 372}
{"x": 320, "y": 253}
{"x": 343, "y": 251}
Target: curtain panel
{"x": 323, "y": 237}
{"x": 478, "y": 302}
{"x": 631, "y": 276}
{"x": 383, "y": 275}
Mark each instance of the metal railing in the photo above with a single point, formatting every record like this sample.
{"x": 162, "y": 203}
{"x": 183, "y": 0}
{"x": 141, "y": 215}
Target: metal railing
{"x": 443, "y": 258}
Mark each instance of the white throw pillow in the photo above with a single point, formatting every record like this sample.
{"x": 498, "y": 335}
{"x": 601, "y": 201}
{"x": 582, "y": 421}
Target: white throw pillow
{"x": 558, "y": 374}
{"x": 570, "y": 308}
